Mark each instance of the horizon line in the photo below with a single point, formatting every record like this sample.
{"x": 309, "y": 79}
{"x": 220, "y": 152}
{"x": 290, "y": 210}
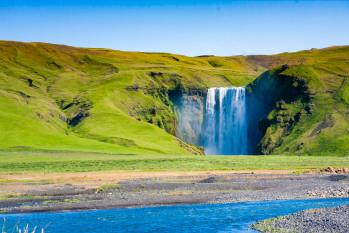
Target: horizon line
{"x": 161, "y": 52}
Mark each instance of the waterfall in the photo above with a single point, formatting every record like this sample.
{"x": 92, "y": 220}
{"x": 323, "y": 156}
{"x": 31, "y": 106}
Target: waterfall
{"x": 225, "y": 121}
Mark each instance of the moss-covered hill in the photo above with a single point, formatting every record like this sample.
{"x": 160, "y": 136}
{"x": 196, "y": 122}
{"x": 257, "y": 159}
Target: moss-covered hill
{"x": 310, "y": 114}
{"x": 56, "y": 97}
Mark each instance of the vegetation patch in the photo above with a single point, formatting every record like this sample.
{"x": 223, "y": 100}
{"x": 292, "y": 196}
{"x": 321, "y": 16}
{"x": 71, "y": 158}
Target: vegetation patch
{"x": 107, "y": 188}
{"x": 268, "y": 226}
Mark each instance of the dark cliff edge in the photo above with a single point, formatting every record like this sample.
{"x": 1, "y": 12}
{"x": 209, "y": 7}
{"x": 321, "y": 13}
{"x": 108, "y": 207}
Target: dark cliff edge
{"x": 277, "y": 101}
{"x": 188, "y": 108}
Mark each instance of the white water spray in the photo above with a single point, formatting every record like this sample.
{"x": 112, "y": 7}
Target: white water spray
{"x": 225, "y": 127}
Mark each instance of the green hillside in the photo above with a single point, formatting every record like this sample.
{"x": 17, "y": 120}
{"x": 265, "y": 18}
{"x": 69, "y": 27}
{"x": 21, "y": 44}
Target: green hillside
{"x": 61, "y": 98}
{"x": 312, "y": 115}
{"x": 55, "y": 97}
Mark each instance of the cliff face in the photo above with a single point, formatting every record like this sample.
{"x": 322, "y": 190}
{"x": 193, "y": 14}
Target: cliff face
{"x": 189, "y": 110}
{"x": 305, "y": 107}
{"x": 277, "y": 102}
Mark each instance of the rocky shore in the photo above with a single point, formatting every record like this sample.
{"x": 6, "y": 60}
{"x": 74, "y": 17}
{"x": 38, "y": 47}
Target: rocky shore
{"x": 107, "y": 190}
{"x": 327, "y": 220}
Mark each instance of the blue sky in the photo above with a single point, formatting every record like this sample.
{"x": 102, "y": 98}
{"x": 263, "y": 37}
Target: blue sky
{"x": 190, "y": 27}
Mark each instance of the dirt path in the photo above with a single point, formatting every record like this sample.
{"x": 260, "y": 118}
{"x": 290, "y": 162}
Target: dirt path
{"x": 14, "y": 182}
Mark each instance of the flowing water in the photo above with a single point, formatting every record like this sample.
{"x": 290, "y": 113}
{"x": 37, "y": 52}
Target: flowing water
{"x": 225, "y": 121}
{"x": 203, "y": 218}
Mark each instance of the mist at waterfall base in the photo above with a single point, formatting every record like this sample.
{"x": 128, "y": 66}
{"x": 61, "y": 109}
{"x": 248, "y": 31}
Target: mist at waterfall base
{"x": 225, "y": 121}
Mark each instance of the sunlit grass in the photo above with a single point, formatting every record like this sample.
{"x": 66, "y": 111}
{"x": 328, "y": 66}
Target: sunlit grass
{"x": 80, "y": 162}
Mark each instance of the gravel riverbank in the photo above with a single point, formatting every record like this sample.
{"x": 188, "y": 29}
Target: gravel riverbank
{"x": 327, "y": 220}
{"x": 73, "y": 194}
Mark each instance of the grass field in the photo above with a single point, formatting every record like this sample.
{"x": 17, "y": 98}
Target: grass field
{"x": 14, "y": 162}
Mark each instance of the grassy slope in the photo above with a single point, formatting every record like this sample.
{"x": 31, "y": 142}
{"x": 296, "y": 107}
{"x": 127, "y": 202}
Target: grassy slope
{"x": 43, "y": 86}
{"x": 326, "y": 130}
{"x": 124, "y": 98}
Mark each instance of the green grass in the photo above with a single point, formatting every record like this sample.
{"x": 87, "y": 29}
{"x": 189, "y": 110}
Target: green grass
{"x": 14, "y": 162}
{"x": 268, "y": 226}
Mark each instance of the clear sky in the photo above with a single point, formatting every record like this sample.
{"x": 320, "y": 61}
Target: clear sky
{"x": 190, "y": 27}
